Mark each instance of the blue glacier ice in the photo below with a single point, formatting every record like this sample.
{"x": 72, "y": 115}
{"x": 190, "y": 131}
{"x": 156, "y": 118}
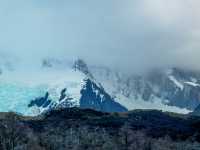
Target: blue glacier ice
{"x": 16, "y": 97}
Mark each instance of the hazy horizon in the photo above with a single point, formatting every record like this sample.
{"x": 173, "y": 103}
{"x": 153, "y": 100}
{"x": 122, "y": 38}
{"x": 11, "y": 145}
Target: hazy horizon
{"x": 131, "y": 35}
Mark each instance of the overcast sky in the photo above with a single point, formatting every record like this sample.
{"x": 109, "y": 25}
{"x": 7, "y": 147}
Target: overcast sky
{"x": 134, "y": 34}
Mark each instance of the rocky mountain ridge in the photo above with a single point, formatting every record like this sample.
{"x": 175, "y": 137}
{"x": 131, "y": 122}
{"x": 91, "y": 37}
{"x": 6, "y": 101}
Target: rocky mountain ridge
{"x": 62, "y": 83}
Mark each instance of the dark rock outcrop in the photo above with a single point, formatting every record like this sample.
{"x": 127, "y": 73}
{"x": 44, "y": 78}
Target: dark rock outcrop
{"x": 196, "y": 112}
{"x": 81, "y": 66}
{"x": 41, "y": 101}
{"x": 95, "y": 97}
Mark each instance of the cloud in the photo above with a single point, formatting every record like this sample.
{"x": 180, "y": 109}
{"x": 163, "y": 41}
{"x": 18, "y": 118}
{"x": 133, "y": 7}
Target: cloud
{"x": 131, "y": 35}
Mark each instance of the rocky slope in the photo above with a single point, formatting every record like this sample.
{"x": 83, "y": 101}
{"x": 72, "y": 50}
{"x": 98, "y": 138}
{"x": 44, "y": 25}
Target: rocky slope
{"x": 172, "y": 87}
{"x": 60, "y": 83}
{"x": 196, "y": 111}
{"x": 54, "y": 84}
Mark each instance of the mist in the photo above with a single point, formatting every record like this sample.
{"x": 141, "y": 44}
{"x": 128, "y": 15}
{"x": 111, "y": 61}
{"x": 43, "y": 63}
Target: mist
{"x": 131, "y": 35}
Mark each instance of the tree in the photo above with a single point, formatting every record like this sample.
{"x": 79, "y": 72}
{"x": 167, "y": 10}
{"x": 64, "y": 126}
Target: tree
{"x": 10, "y": 131}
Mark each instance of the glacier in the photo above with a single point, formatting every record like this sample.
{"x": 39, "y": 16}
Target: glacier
{"x": 20, "y": 84}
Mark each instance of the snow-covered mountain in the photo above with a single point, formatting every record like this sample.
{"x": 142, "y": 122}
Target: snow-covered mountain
{"x": 54, "y": 83}
{"x": 173, "y": 89}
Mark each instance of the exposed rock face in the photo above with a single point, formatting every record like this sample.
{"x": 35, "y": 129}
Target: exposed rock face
{"x": 63, "y": 94}
{"x": 46, "y": 63}
{"x": 41, "y": 101}
{"x": 105, "y": 89}
{"x": 179, "y": 88}
{"x": 95, "y": 97}
{"x": 51, "y": 62}
{"x": 80, "y": 65}
{"x": 92, "y": 96}
{"x": 196, "y": 112}
{"x": 76, "y": 84}
{"x": 174, "y": 87}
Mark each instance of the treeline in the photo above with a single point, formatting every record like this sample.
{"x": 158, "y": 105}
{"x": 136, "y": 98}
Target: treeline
{"x": 67, "y": 131}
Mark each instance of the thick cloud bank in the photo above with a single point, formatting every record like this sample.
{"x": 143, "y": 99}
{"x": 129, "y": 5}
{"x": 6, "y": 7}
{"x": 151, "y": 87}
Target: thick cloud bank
{"x": 134, "y": 35}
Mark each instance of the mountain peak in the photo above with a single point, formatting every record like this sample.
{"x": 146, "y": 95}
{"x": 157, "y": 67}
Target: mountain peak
{"x": 81, "y": 66}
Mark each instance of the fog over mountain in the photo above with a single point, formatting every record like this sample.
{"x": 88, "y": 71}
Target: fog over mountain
{"x": 100, "y": 74}
{"x": 133, "y": 35}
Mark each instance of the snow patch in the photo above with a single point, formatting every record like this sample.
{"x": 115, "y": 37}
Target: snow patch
{"x": 176, "y": 82}
{"x": 109, "y": 81}
{"x": 155, "y": 103}
{"x": 192, "y": 84}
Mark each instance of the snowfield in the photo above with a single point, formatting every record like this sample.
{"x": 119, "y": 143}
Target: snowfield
{"x": 23, "y": 83}
{"x": 19, "y": 87}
